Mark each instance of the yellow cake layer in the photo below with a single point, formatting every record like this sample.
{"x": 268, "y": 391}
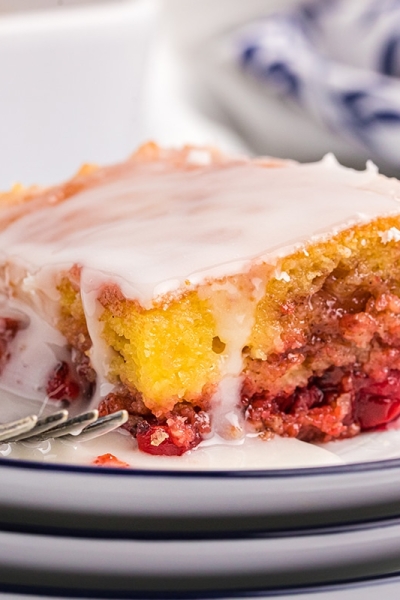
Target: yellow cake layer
{"x": 177, "y": 350}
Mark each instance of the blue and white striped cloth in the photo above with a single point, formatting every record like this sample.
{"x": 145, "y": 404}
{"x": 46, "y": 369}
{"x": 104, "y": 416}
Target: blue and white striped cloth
{"x": 337, "y": 60}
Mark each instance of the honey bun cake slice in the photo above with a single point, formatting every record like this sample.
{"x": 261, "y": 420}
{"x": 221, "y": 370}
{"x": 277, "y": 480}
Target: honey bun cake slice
{"x": 208, "y": 296}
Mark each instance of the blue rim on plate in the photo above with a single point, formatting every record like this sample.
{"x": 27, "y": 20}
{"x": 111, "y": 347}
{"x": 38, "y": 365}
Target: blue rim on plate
{"x": 359, "y": 467}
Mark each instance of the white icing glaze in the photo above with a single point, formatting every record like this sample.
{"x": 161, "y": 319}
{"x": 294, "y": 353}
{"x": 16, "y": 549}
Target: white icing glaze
{"x": 34, "y": 351}
{"x": 155, "y": 227}
{"x": 248, "y": 453}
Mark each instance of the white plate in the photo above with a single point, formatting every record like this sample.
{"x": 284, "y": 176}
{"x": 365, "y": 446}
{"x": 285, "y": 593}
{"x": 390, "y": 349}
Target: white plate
{"x": 270, "y": 561}
{"x": 253, "y": 485}
{"x": 178, "y": 558}
{"x": 127, "y": 499}
{"x": 385, "y": 587}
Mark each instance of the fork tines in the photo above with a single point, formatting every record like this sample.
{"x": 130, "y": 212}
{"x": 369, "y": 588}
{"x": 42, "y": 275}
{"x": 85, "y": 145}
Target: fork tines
{"x": 82, "y": 428}
{"x": 17, "y": 428}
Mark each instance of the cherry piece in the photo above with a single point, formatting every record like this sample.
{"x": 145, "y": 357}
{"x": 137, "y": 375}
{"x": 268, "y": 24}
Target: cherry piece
{"x": 156, "y": 440}
{"x": 61, "y": 385}
{"x": 378, "y": 403}
{"x": 109, "y": 460}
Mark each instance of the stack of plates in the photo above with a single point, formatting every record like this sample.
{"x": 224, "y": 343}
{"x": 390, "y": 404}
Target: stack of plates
{"x": 330, "y": 532}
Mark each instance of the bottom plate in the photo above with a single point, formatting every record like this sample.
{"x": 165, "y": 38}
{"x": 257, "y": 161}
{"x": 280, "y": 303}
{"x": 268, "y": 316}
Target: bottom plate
{"x": 370, "y": 588}
{"x": 272, "y": 560}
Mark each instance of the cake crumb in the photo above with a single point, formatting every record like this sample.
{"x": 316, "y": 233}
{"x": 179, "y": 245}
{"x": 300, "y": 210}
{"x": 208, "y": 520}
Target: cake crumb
{"x": 158, "y": 437}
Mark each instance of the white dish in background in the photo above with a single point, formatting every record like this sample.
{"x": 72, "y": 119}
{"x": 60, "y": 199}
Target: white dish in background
{"x": 72, "y": 80}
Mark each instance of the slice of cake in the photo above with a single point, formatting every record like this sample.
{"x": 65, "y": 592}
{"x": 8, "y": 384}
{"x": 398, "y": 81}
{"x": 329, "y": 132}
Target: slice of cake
{"x": 207, "y": 296}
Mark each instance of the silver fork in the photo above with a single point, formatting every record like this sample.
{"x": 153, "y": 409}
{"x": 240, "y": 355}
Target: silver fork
{"x": 82, "y": 428}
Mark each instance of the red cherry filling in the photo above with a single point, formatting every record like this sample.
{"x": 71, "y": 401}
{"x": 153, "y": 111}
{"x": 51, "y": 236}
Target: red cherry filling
{"x": 61, "y": 384}
{"x": 338, "y": 404}
{"x": 183, "y": 430}
{"x": 377, "y": 404}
